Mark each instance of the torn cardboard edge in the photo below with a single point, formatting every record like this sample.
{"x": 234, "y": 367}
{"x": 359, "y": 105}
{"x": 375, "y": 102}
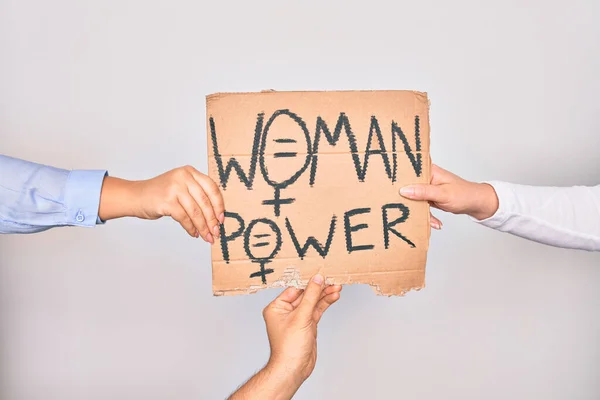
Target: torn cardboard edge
{"x": 302, "y": 285}
{"x": 291, "y": 278}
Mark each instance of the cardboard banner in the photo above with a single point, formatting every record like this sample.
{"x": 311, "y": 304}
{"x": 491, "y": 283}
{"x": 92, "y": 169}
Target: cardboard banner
{"x": 310, "y": 182}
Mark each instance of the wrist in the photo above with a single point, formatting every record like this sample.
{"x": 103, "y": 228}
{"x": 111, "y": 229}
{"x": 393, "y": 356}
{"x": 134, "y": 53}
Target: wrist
{"x": 273, "y": 382}
{"x": 285, "y": 379}
{"x": 119, "y": 198}
{"x": 485, "y": 201}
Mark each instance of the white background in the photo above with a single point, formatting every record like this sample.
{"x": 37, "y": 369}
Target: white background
{"x": 124, "y": 311}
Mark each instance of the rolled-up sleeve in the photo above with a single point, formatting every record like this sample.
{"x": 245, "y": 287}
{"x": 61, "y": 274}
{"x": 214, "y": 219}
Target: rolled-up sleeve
{"x": 35, "y": 197}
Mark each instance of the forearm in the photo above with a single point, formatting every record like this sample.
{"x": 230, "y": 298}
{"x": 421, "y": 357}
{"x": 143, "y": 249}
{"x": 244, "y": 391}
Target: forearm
{"x": 119, "y": 198}
{"x": 564, "y": 217}
{"x": 270, "y": 383}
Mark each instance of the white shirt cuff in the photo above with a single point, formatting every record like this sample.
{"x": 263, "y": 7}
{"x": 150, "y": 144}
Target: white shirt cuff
{"x": 506, "y": 200}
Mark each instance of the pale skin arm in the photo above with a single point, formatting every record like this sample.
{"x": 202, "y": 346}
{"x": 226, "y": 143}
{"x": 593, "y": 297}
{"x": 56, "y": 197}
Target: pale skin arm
{"x": 451, "y": 193}
{"x": 188, "y": 196}
{"x": 291, "y": 321}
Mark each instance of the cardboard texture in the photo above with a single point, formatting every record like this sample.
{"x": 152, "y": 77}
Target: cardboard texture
{"x": 310, "y": 182}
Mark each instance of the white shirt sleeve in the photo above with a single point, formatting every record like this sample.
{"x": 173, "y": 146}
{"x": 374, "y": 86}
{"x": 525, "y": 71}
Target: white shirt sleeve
{"x": 566, "y": 217}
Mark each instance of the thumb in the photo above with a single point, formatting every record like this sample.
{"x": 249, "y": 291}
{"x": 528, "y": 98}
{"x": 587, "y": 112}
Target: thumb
{"x": 422, "y": 192}
{"x": 312, "y": 295}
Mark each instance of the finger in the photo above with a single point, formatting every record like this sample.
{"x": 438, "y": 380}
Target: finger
{"x": 331, "y": 289}
{"x": 179, "y": 215}
{"x": 423, "y": 192}
{"x": 299, "y": 299}
{"x": 285, "y": 301}
{"x": 435, "y": 223}
{"x": 195, "y": 214}
{"x": 213, "y": 192}
{"x": 328, "y": 290}
{"x": 289, "y": 295}
{"x": 205, "y": 205}
{"x": 324, "y": 304}
{"x": 440, "y": 175}
{"x": 311, "y": 296}
{"x": 436, "y": 173}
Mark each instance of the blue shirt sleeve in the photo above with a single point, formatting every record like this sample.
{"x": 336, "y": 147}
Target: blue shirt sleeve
{"x": 35, "y": 197}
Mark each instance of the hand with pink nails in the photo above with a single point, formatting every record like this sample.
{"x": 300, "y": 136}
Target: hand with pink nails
{"x": 451, "y": 193}
{"x": 185, "y": 194}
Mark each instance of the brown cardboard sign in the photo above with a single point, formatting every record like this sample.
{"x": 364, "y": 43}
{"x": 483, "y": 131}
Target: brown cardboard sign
{"x": 310, "y": 182}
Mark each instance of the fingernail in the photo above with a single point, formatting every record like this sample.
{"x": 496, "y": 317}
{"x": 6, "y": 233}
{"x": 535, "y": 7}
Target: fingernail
{"x": 209, "y": 239}
{"x": 197, "y": 234}
{"x": 318, "y": 279}
{"x": 222, "y": 218}
{"x": 435, "y": 225}
{"x": 407, "y": 191}
{"x": 216, "y": 231}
